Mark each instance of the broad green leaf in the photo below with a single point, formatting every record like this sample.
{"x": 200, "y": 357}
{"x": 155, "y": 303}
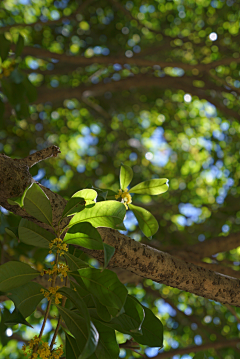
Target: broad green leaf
{"x": 16, "y": 317}
{"x": 152, "y": 330}
{"x": 147, "y": 222}
{"x": 86, "y": 341}
{"x": 27, "y": 297}
{"x": 132, "y": 319}
{"x": 12, "y": 232}
{"x": 103, "y": 214}
{"x": 73, "y": 206}
{"x": 72, "y": 350}
{"x": 80, "y": 288}
{"x": 108, "y": 254}
{"x": 78, "y": 302}
{"x": 87, "y": 194}
{"x": 37, "y": 204}
{"x": 31, "y": 233}
{"x": 200, "y": 355}
{"x": 74, "y": 262}
{"x": 19, "y": 45}
{"x": 153, "y": 187}
{"x": 102, "y": 311}
{"x": 126, "y": 175}
{"x": 4, "y": 47}
{"x": 107, "y": 347}
{"x": 128, "y": 322}
{"x": 104, "y": 285}
{"x": 84, "y": 235}
{"x": 14, "y": 274}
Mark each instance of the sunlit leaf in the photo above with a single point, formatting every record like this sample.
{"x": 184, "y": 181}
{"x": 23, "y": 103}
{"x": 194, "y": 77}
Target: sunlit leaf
{"x": 103, "y": 214}
{"x": 126, "y": 175}
{"x": 147, "y": 222}
{"x": 154, "y": 187}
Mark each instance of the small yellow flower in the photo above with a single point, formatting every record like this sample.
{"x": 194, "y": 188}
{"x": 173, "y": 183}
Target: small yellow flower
{"x": 126, "y": 197}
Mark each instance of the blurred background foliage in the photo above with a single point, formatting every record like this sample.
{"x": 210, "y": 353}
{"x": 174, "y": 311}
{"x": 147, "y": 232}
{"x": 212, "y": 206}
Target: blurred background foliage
{"x": 151, "y": 84}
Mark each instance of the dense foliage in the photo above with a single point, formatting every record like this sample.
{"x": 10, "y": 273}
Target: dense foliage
{"x": 153, "y": 85}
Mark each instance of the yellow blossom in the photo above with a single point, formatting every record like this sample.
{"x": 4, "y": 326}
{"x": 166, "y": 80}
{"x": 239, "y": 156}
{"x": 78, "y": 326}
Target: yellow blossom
{"x": 126, "y": 197}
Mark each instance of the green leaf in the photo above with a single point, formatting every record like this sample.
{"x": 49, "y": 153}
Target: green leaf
{"x": 126, "y": 175}
{"x": 86, "y": 341}
{"x": 153, "y": 187}
{"x": 74, "y": 262}
{"x": 84, "y": 235}
{"x": 200, "y": 355}
{"x": 108, "y": 347}
{"x": 19, "y": 45}
{"x": 12, "y": 232}
{"x": 103, "y": 214}
{"x": 14, "y": 274}
{"x": 128, "y": 322}
{"x": 132, "y": 318}
{"x": 80, "y": 288}
{"x": 34, "y": 235}
{"x": 30, "y": 90}
{"x": 78, "y": 302}
{"x": 87, "y": 194}
{"x": 27, "y": 297}
{"x": 37, "y": 204}
{"x": 104, "y": 285}
{"x": 147, "y": 222}
{"x": 72, "y": 350}
{"x": 152, "y": 330}
{"x": 5, "y": 47}
{"x": 16, "y": 317}
{"x": 102, "y": 311}
{"x": 73, "y": 206}
{"x": 108, "y": 254}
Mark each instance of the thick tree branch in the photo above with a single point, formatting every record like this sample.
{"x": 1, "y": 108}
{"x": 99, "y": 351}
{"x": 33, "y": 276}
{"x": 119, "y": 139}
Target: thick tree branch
{"x": 195, "y": 349}
{"x": 134, "y": 256}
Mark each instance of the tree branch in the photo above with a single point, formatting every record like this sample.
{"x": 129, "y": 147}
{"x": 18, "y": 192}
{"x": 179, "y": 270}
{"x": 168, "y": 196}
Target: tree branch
{"x": 137, "y": 257}
{"x": 198, "y": 348}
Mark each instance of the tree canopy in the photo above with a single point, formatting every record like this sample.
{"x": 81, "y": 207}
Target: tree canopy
{"x": 152, "y": 85}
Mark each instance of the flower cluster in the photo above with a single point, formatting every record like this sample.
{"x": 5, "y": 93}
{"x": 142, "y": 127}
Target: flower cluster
{"x": 61, "y": 247}
{"x": 52, "y": 291}
{"x": 43, "y": 350}
{"x": 126, "y": 197}
{"x": 7, "y": 68}
{"x": 61, "y": 269}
